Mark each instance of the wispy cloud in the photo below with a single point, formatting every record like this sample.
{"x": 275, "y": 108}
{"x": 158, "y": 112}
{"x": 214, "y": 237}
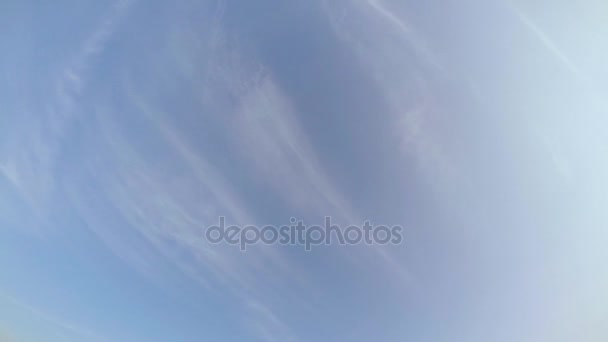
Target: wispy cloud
{"x": 31, "y": 164}
{"x": 406, "y": 80}
{"x": 545, "y": 40}
{"x": 60, "y": 328}
{"x": 411, "y": 37}
{"x": 267, "y": 325}
{"x": 73, "y": 79}
{"x": 169, "y": 195}
{"x": 270, "y": 138}
{"x": 171, "y": 198}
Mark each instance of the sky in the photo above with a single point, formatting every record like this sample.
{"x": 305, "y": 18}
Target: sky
{"x": 128, "y": 127}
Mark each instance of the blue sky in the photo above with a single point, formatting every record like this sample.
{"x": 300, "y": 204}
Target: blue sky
{"x": 128, "y": 127}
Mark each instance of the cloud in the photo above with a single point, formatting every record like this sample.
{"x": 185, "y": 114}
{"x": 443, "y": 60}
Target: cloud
{"x": 138, "y": 172}
{"x": 266, "y": 325}
{"x": 269, "y": 137}
{"x": 545, "y": 40}
{"x": 57, "y": 328}
{"x": 407, "y": 76}
{"x": 170, "y": 197}
{"x": 31, "y": 158}
{"x": 121, "y": 193}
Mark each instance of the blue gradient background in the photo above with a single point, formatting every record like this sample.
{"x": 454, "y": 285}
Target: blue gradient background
{"x": 128, "y": 127}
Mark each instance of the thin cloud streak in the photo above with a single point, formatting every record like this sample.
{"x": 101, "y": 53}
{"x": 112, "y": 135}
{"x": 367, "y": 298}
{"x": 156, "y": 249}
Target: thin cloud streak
{"x": 410, "y": 36}
{"x": 59, "y": 324}
{"x": 545, "y": 40}
{"x": 31, "y": 171}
